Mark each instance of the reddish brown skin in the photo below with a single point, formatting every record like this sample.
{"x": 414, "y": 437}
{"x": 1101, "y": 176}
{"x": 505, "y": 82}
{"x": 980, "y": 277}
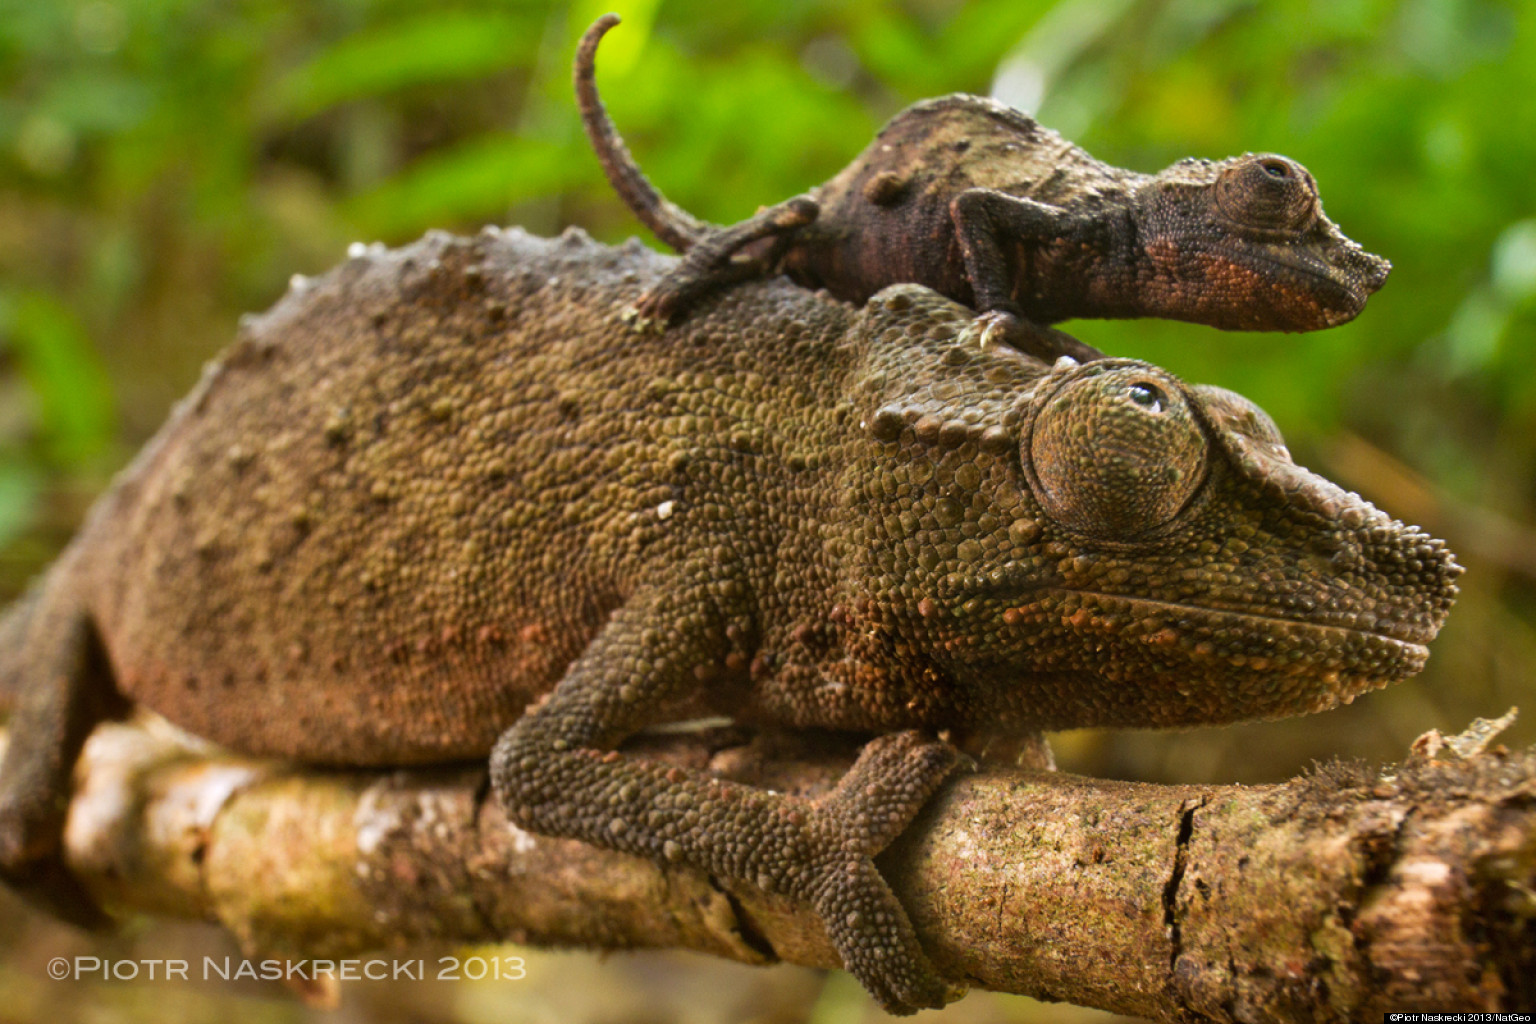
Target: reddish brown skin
{"x": 981, "y": 203}
{"x": 442, "y": 503}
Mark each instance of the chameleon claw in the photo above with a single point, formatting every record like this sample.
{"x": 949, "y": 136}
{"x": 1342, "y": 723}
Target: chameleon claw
{"x": 988, "y": 329}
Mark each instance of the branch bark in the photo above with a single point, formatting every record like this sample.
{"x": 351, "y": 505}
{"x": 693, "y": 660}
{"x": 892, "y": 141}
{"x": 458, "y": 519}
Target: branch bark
{"x": 1336, "y": 896}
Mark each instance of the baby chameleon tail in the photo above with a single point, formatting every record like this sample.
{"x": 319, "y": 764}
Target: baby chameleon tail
{"x": 983, "y": 204}
{"x": 714, "y": 256}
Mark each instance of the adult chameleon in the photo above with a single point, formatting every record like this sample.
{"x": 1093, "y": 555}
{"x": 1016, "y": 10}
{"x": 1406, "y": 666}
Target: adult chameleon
{"x": 441, "y": 503}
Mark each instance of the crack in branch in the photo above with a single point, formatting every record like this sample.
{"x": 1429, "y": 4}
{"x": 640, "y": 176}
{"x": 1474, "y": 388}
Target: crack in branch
{"x": 1176, "y": 878}
{"x": 751, "y": 937}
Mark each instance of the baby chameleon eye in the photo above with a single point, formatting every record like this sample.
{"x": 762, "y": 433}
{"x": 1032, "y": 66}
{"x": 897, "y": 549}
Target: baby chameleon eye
{"x": 1267, "y": 194}
{"x": 1114, "y": 456}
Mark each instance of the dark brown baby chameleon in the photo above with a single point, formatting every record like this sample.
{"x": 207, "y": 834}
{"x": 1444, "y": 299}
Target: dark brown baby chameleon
{"x": 442, "y": 503}
{"x": 984, "y": 205}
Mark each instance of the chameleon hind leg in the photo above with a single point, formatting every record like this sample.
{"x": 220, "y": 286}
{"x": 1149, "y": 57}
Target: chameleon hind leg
{"x": 715, "y": 261}
{"x": 65, "y": 690}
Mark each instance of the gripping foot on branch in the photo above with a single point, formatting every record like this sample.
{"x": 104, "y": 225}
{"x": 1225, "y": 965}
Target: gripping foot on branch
{"x": 556, "y": 771}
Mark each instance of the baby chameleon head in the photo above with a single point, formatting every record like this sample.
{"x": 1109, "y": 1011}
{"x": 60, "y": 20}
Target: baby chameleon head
{"x": 1243, "y": 244}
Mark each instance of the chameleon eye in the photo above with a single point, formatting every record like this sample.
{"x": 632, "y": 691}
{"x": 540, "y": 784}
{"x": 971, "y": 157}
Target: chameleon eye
{"x": 1146, "y": 395}
{"x": 1267, "y": 193}
{"x": 1113, "y": 455}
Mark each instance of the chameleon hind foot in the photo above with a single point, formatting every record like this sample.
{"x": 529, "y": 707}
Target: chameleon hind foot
{"x": 716, "y": 261}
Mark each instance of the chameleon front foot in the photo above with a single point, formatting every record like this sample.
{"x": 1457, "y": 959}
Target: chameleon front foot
{"x": 873, "y": 804}
{"x": 1008, "y": 327}
{"x": 876, "y": 941}
{"x": 890, "y": 782}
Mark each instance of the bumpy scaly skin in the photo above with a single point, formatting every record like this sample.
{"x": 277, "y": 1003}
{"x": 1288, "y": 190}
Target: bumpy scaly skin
{"x": 441, "y": 484}
{"x": 981, "y": 203}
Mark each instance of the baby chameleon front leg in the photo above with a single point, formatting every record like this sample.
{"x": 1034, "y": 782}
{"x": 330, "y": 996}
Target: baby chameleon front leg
{"x": 556, "y": 774}
{"x": 988, "y": 225}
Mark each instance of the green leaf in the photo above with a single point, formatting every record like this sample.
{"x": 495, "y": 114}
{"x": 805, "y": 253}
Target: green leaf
{"x": 437, "y": 47}
{"x": 20, "y": 486}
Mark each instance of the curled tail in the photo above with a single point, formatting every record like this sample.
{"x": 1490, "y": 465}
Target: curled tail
{"x": 672, "y": 224}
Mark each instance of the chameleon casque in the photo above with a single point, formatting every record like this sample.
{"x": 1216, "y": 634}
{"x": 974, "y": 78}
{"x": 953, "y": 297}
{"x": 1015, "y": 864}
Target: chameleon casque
{"x": 979, "y": 202}
{"x": 442, "y": 503}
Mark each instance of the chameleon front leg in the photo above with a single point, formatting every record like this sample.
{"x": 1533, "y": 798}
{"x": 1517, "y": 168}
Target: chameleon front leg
{"x": 556, "y": 773}
{"x": 988, "y": 224}
{"x": 710, "y": 264}
{"x": 66, "y": 690}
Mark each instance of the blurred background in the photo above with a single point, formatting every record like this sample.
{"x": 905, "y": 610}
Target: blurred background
{"x": 166, "y": 165}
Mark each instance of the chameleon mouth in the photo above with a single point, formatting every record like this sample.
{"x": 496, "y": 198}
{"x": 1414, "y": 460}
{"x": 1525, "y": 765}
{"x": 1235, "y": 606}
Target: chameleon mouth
{"x": 1285, "y": 287}
{"x": 1409, "y": 634}
{"x": 1251, "y": 640}
{"x": 1353, "y": 274}
{"x": 1322, "y": 253}
{"x": 1149, "y": 663}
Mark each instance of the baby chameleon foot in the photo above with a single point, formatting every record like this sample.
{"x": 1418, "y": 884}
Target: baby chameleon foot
{"x": 722, "y": 257}
{"x": 1009, "y": 327}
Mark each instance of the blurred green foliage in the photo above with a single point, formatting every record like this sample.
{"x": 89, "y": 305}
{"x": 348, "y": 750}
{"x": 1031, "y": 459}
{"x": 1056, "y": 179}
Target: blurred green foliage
{"x": 168, "y": 164}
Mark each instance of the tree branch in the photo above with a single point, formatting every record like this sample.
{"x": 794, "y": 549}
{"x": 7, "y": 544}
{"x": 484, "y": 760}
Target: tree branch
{"x": 1336, "y": 896}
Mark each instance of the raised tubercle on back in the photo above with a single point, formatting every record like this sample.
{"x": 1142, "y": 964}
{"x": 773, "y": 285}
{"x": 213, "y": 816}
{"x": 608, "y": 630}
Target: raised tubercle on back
{"x": 670, "y": 223}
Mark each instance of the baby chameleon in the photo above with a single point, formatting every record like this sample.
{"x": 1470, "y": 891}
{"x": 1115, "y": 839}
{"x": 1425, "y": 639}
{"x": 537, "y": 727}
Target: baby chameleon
{"x": 979, "y": 202}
